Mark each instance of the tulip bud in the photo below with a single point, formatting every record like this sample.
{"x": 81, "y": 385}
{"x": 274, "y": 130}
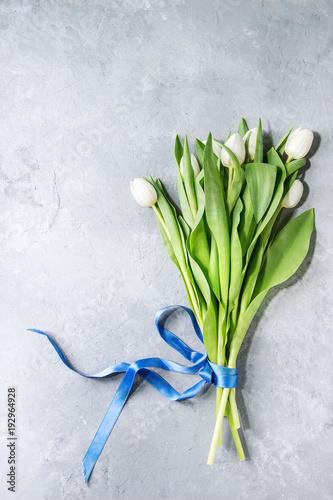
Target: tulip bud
{"x": 237, "y": 146}
{"x": 143, "y": 192}
{"x": 299, "y": 143}
{"x": 251, "y": 147}
{"x": 294, "y": 195}
{"x": 194, "y": 163}
{"x": 216, "y": 148}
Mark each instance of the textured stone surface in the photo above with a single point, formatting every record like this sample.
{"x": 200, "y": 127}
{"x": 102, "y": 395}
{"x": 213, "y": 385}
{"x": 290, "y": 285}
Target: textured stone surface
{"x": 92, "y": 95}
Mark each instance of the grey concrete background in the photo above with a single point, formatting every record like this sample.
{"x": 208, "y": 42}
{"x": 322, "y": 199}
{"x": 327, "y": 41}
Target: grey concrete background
{"x": 92, "y": 95}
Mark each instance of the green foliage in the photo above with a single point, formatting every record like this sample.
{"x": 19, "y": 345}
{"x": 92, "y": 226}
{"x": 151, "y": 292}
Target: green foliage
{"x": 178, "y": 150}
{"x": 259, "y": 152}
{"x": 217, "y": 217}
{"x": 260, "y": 178}
{"x": 280, "y": 147}
{"x": 286, "y": 253}
{"x": 242, "y": 128}
{"x": 227, "y": 243}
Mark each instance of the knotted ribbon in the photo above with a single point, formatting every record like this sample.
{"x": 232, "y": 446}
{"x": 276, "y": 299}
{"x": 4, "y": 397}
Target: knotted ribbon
{"x": 210, "y": 373}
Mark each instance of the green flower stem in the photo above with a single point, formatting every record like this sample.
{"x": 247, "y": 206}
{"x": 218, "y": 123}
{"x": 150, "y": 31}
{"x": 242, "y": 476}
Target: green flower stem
{"x": 270, "y": 227}
{"x": 160, "y": 218}
{"x": 288, "y": 160}
{"x": 184, "y": 271}
{"x": 234, "y": 409}
{"x": 218, "y": 427}
{"x": 238, "y": 443}
{"x": 234, "y": 431}
{"x": 231, "y": 412}
{"x": 219, "y": 392}
{"x": 220, "y": 361}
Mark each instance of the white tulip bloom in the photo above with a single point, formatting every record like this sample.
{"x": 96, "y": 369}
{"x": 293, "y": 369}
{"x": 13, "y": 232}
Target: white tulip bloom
{"x": 252, "y": 142}
{"x": 294, "y": 195}
{"x": 143, "y": 192}
{"x": 236, "y": 144}
{"x": 299, "y": 143}
{"x": 194, "y": 163}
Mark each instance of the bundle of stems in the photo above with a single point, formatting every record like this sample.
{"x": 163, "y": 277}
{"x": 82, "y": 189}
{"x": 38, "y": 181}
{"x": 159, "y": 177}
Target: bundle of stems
{"x": 226, "y": 240}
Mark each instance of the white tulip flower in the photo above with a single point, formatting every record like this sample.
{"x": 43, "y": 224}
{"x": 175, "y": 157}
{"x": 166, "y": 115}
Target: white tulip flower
{"x": 236, "y": 144}
{"x": 143, "y": 192}
{"x": 299, "y": 143}
{"x": 252, "y": 142}
{"x": 294, "y": 195}
{"x": 194, "y": 163}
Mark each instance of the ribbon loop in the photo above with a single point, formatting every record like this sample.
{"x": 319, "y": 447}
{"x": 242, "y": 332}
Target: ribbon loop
{"x": 209, "y": 372}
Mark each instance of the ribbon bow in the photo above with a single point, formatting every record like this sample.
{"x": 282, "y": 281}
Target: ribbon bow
{"x": 211, "y": 373}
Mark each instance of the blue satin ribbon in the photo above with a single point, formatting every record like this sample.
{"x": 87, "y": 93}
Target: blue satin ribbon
{"x": 211, "y": 373}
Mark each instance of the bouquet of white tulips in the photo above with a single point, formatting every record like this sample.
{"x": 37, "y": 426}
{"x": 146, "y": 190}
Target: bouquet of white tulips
{"x": 226, "y": 238}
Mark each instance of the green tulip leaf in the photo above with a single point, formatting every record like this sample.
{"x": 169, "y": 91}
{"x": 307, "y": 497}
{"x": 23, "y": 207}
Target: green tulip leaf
{"x": 178, "y": 150}
{"x": 186, "y": 230}
{"x": 200, "y": 149}
{"x": 247, "y": 141}
{"x": 288, "y": 183}
{"x": 189, "y": 296}
{"x": 252, "y": 274}
{"x": 243, "y": 326}
{"x": 188, "y": 176}
{"x": 281, "y": 261}
{"x": 166, "y": 242}
{"x": 199, "y": 178}
{"x": 247, "y": 225}
{"x": 259, "y": 151}
{"x": 292, "y": 166}
{"x": 260, "y": 178}
{"x": 217, "y": 216}
{"x": 280, "y": 147}
{"x": 213, "y": 270}
{"x": 209, "y": 330}
{"x": 198, "y": 244}
{"x": 242, "y": 128}
{"x": 274, "y": 159}
{"x": 200, "y": 279}
{"x": 270, "y": 216}
{"x": 169, "y": 215}
{"x": 185, "y": 206}
{"x": 236, "y": 263}
{"x": 197, "y": 292}
{"x": 286, "y": 253}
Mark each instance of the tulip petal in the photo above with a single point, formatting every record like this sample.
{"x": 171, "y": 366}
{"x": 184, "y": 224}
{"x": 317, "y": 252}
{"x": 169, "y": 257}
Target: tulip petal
{"x": 143, "y": 192}
{"x": 294, "y": 194}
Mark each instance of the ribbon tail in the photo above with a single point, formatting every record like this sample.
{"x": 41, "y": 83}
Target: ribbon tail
{"x": 108, "y": 422}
